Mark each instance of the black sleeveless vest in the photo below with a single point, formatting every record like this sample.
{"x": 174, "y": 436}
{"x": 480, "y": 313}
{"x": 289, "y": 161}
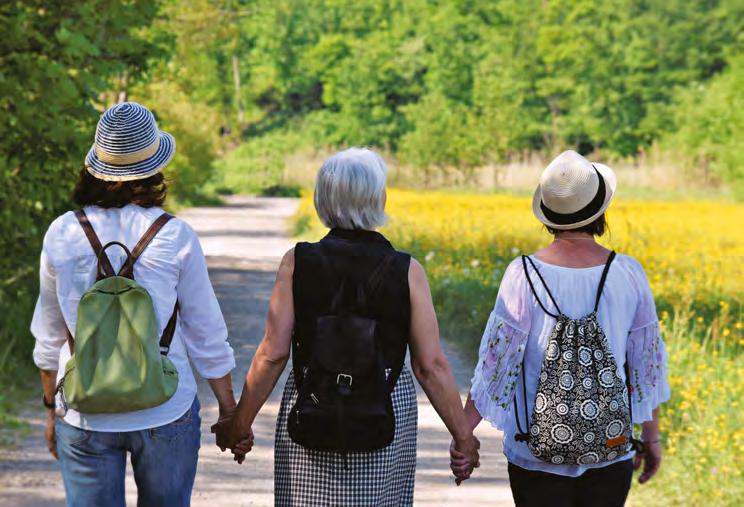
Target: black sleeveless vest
{"x": 320, "y": 269}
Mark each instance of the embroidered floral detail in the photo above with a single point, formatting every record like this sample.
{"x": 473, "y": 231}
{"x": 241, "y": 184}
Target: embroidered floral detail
{"x": 647, "y": 360}
{"x": 499, "y": 369}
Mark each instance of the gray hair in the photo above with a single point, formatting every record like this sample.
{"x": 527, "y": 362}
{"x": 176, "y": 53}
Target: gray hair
{"x": 350, "y": 188}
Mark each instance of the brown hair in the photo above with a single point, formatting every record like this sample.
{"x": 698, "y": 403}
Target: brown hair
{"x": 596, "y": 228}
{"x": 91, "y": 191}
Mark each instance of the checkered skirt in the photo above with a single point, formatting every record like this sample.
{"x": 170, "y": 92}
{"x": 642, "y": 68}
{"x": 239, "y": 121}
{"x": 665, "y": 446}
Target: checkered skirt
{"x": 304, "y": 477}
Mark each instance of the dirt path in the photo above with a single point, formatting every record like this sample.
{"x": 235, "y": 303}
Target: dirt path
{"x": 244, "y": 241}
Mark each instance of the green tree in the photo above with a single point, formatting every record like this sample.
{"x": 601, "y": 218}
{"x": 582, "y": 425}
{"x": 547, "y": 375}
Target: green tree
{"x": 58, "y": 62}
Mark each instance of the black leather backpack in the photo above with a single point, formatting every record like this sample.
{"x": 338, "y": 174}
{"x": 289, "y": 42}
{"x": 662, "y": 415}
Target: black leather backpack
{"x": 344, "y": 402}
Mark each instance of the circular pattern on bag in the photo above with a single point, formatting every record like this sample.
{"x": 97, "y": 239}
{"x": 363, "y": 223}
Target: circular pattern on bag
{"x": 588, "y": 458}
{"x": 614, "y": 428}
{"x": 566, "y": 382}
{"x": 589, "y": 410}
{"x": 553, "y": 350}
{"x": 561, "y": 433}
{"x": 578, "y": 398}
{"x": 571, "y": 330}
{"x": 607, "y": 377}
{"x": 625, "y": 396}
{"x": 540, "y": 403}
{"x": 557, "y": 459}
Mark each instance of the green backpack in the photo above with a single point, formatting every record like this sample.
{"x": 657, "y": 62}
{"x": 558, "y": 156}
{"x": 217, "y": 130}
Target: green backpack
{"x": 117, "y": 363}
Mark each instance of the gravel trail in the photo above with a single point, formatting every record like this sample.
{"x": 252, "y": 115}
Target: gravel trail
{"x": 244, "y": 241}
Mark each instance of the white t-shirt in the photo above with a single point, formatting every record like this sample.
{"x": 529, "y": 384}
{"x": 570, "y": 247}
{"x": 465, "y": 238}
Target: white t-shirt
{"x": 519, "y": 329}
{"x": 172, "y": 266}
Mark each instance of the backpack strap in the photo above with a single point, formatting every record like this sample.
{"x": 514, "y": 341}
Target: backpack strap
{"x": 169, "y": 331}
{"x": 150, "y": 233}
{"x": 153, "y": 230}
{"x": 147, "y": 237}
{"x": 103, "y": 260}
{"x": 603, "y": 279}
{"x": 373, "y": 285}
{"x": 526, "y": 258}
{"x": 104, "y": 265}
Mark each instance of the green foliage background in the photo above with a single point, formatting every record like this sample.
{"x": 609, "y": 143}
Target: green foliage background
{"x": 440, "y": 84}
{"x": 56, "y": 61}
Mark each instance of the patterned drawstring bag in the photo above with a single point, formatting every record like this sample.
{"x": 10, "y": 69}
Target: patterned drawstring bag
{"x": 582, "y": 413}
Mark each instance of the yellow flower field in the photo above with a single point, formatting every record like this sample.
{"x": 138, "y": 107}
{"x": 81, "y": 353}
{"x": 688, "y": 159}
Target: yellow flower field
{"x": 693, "y": 254}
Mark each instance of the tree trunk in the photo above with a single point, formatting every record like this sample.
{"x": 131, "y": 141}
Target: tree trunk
{"x": 238, "y": 98}
{"x": 123, "y": 93}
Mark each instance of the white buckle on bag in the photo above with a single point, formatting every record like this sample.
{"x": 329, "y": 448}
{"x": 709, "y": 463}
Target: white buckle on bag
{"x": 344, "y": 376}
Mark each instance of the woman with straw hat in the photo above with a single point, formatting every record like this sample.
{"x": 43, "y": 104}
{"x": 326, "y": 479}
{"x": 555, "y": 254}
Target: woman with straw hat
{"x": 120, "y": 193}
{"x": 572, "y": 353}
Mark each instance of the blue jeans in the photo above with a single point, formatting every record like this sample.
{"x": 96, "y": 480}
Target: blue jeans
{"x": 164, "y": 461}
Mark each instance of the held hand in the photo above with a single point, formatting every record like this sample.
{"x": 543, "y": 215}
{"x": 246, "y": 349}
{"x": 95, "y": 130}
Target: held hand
{"x": 51, "y": 435}
{"x": 221, "y": 430}
{"x": 228, "y": 436}
{"x": 651, "y": 459}
{"x": 242, "y": 448}
{"x": 464, "y": 457}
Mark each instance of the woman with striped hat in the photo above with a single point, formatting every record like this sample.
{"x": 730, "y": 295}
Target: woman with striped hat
{"x": 120, "y": 193}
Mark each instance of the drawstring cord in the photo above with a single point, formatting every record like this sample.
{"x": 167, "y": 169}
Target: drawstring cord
{"x": 522, "y": 436}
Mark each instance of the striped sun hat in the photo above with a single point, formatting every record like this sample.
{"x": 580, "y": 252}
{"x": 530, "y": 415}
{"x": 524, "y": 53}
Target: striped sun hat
{"x": 128, "y": 145}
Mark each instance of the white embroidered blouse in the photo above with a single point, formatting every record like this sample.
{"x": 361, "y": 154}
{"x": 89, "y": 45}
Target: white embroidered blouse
{"x": 518, "y": 329}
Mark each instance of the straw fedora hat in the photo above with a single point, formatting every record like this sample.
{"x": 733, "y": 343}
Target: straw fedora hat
{"x": 573, "y": 192}
{"x": 128, "y": 145}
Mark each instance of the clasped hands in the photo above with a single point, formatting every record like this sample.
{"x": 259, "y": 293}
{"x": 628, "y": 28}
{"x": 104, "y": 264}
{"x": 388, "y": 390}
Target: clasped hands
{"x": 464, "y": 458}
{"x": 230, "y": 434}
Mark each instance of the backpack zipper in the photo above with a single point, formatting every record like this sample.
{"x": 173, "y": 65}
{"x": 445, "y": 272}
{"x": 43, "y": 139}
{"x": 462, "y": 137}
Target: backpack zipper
{"x": 61, "y": 411}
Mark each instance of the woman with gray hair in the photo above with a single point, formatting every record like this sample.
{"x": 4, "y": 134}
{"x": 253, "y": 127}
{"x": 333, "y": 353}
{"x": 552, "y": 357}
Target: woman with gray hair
{"x": 349, "y": 307}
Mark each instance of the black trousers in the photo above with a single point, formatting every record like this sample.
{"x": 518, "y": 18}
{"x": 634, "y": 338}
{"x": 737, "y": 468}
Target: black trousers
{"x": 599, "y": 487}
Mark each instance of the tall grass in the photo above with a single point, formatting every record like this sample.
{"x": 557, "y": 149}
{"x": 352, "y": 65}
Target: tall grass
{"x": 692, "y": 252}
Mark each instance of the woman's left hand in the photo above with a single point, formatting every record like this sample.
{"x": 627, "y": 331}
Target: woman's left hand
{"x": 650, "y": 458}
{"x": 461, "y": 464}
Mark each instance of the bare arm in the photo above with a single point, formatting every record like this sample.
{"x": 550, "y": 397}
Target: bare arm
{"x": 272, "y": 354}
{"x": 471, "y": 413}
{"x": 222, "y": 389}
{"x": 428, "y": 361}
